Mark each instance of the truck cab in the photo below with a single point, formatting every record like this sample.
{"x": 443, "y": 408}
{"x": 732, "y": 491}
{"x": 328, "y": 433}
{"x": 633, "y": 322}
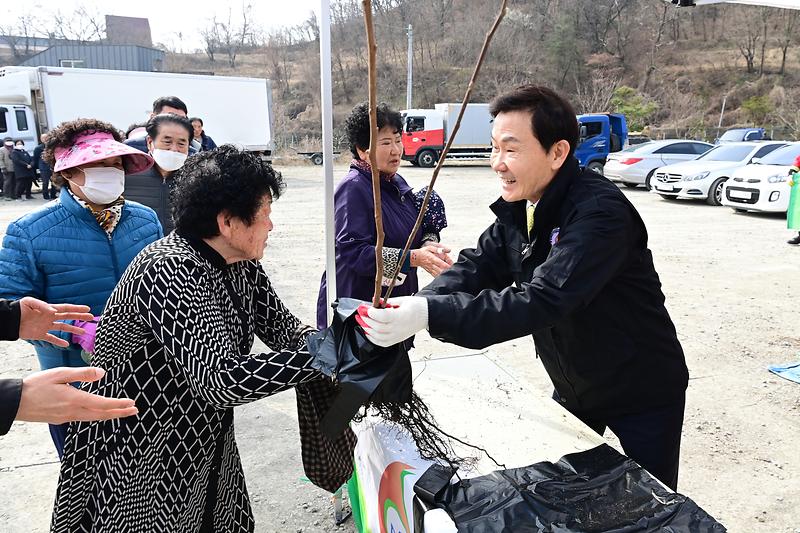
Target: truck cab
{"x": 17, "y": 122}
{"x": 600, "y": 135}
{"x": 423, "y": 136}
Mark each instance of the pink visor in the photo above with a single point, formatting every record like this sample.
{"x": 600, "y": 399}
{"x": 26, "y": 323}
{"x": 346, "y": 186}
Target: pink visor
{"x": 96, "y": 146}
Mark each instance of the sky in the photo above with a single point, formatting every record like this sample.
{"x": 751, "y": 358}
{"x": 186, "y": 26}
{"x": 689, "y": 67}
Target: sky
{"x": 168, "y": 17}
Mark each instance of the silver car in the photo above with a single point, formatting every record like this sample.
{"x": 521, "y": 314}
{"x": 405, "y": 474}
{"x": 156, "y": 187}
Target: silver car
{"x": 636, "y": 164}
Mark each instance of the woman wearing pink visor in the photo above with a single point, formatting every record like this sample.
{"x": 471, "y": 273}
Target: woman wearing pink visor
{"x": 76, "y": 248}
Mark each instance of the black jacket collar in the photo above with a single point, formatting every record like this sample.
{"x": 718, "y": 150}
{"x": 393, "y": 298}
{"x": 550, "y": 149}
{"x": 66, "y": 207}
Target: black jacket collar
{"x": 205, "y": 251}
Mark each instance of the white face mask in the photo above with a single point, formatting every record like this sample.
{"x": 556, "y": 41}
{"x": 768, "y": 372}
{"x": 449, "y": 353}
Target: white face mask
{"x": 168, "y": 159}
{"x": 103, "y": 184}
{"x": 20, "y": 147}
{"x": 9, "y": 143}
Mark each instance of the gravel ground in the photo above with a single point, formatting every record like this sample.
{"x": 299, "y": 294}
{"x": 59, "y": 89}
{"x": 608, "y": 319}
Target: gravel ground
{"x": 728, "y": 278}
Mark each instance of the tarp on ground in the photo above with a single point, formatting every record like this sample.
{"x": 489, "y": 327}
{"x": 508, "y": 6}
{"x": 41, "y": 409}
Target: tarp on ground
{"x": 591, "y": 491}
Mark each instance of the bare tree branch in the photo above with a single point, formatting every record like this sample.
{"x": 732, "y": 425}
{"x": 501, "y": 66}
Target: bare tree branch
{"x": 467, "y": 95}
{"x": 372, "y": 48}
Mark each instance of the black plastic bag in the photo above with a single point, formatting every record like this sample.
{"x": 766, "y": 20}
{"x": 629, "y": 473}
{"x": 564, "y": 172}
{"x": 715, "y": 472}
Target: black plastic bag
{"x": 592, "y": 491}
{"x": 364, "y": 372}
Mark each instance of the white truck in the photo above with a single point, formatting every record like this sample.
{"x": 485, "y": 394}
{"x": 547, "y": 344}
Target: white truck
{"x": 34, "y": 100}
{"x": 426, "y": 132}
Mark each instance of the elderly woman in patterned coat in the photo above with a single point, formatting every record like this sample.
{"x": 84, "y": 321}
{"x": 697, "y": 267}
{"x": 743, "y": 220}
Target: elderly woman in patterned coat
{"x": 176, "y": 337}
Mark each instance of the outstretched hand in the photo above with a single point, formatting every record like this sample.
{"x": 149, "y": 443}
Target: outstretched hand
{"x": 47, "y": 396}
{"x": 38, "y": 318}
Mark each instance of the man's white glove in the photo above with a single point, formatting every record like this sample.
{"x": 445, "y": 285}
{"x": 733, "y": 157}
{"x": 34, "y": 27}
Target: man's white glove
{"x": 404, "y": 317}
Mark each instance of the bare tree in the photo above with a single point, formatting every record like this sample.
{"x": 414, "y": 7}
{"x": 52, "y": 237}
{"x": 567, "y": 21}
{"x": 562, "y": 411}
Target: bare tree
{"x": 788, "y": 19}
{"x": 764, "y": 13}
{"x": 595, "y": 94}
{"x": 228, "y": 36}
{"x": 211, "y": 39}
{"x": 659, "y": 33}
{"x": 748, "y": 38}
{"x": 80, "y": 26}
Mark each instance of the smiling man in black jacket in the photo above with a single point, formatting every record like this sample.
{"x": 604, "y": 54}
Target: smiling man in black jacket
{"x": 567, "y": 262}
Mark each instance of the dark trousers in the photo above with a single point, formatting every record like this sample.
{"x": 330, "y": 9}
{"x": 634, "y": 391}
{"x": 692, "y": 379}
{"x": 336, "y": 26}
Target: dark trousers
{"x": 24, "y": 186}
{"x": 58, "y": 432}
{"x": 652, "y": 438}
{"x": 47, "y": 189}
{"x": 9, "y": 185}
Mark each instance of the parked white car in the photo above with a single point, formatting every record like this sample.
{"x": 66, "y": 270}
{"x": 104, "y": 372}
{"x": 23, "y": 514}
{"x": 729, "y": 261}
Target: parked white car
{"x": 702, "y": 178}
{"x": 636, "y": 164}
{"x": 762, "y": 186}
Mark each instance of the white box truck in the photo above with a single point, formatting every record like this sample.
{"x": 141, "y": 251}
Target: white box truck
{"x": 426, "y": 132}
{"x": 34, "y": 100}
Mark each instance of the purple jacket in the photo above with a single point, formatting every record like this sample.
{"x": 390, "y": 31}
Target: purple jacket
{"x": 355, "y": 236}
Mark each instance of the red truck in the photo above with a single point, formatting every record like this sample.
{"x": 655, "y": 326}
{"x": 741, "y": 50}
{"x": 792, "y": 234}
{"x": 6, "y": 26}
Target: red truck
{"x": 426, "y": 131}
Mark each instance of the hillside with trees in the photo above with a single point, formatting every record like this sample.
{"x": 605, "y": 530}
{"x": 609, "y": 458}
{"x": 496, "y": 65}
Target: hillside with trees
{"x": 668, "y": 69}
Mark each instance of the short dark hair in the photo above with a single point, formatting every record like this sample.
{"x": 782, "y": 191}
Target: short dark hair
{"x": 134, "y": 126}
{"x": 169, "y": 101}
{"x": 552, "y": 116}
{"x": 225, "y": 179}
{"x": 357, "y": 124}
{"x": 154, "y": 124}
{"x": 64, "y": 136}
{"x": 198, "y": 119}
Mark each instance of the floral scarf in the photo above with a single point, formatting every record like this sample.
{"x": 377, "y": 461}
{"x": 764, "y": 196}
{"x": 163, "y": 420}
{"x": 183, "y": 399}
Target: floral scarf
{"x": 108, "y": 217}
{"x": 365, "y": 167}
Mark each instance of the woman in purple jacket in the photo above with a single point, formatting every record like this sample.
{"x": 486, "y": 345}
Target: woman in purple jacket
{"x": 355, "y": 222}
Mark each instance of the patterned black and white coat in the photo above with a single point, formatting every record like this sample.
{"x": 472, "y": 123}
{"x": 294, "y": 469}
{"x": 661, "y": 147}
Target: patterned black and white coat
{"x": 176, "y": 337}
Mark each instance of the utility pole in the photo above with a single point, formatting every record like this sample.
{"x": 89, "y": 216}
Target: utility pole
{"x": 410, "y": 61}
{"x": 722, "y": 111}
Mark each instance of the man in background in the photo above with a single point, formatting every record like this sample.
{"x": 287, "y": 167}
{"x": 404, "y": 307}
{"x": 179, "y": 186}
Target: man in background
{"x": 45, "y": 172}
{"x": 7, "y": 167}
{"x": 201, "y": 142}
{"x": 163, "y": 104}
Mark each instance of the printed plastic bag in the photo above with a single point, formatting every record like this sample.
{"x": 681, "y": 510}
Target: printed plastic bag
{"x": 387, "y": 466}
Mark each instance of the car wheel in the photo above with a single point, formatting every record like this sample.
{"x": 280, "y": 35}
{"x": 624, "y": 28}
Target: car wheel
{"x": 715, "y": 192}
{"x": 426, "y": 158}
{"x": 668, "y": 197}
{"x": 596, "y": 166}
{"x": 648, "y": 178}
{"x": 316, "y": 159}
{"x": 630, "y": 185}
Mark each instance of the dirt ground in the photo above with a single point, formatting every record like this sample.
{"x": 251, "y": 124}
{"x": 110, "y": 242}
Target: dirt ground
{"x": 731, "y": 284}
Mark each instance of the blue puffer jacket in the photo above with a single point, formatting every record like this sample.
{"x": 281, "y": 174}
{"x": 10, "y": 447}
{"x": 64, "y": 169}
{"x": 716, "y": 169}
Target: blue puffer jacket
{"x": 60, "y": 254}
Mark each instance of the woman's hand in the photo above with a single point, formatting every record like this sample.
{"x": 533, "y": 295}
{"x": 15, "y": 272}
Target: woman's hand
{"x": 432, "y": 257}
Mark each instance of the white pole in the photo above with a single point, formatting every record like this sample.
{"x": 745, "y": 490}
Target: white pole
{"x": 409, "y": 62}
{"x": 326, "y": 102}
{"x": 722, "y": 111}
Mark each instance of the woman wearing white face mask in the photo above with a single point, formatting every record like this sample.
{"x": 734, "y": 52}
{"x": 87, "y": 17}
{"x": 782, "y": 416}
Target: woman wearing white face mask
{"x": 168, "y": 140}
{"x": 76, "y": 248}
